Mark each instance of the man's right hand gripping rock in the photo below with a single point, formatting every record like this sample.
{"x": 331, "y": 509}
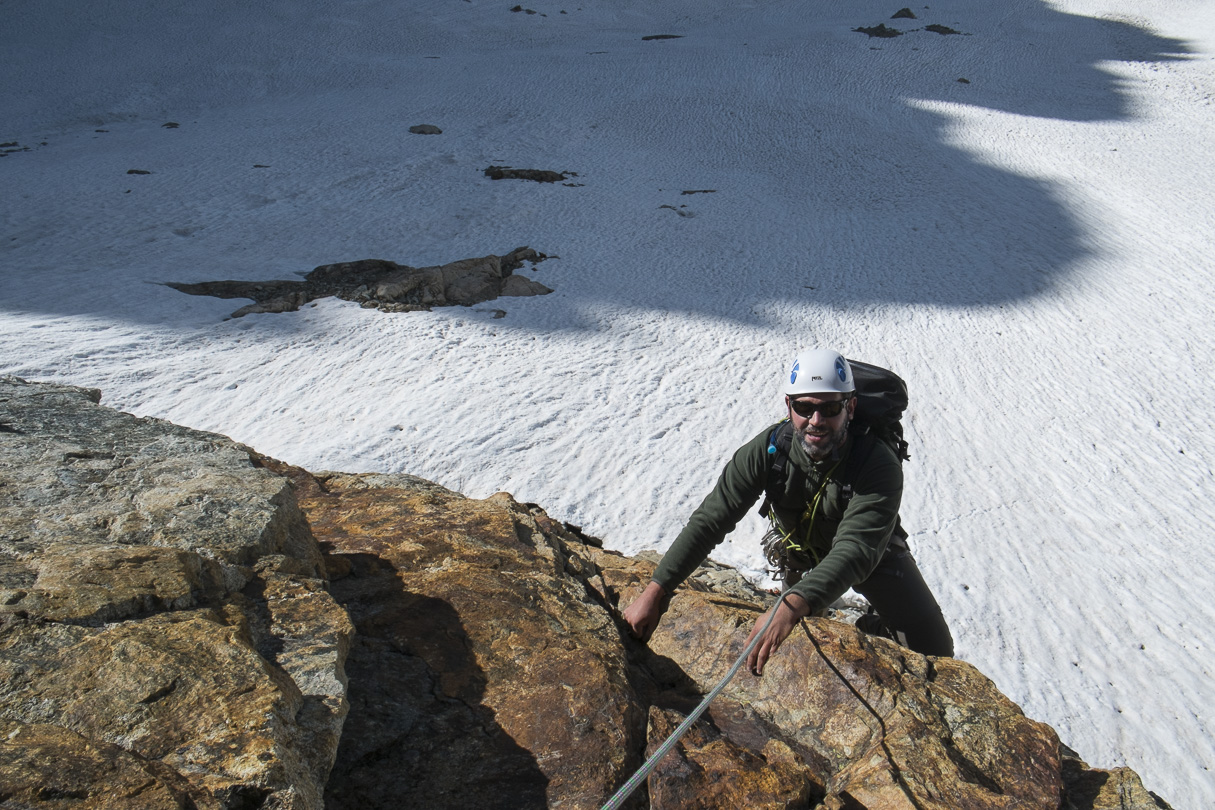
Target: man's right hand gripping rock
{"x": 643, "y": 614}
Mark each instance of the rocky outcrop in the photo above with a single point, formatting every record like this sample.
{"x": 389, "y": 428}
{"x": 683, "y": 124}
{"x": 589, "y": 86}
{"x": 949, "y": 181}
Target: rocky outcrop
{"x": 166, "y": 637}
{"x": 386, "y": 286}
{"x": 876, "y": 725}
{"x": 186, "y": 623}
{"x": 486, "y": 670}
{"x": 1087, "y": 788}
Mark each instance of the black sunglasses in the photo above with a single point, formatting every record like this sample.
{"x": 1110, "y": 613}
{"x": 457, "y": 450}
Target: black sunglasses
{"x": 806, "y": 409}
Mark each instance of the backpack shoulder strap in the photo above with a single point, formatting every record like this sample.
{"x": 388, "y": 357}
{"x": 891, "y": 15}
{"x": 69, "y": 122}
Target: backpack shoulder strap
{"x": 780, "y": 438}
{"x": 863, "y": 442}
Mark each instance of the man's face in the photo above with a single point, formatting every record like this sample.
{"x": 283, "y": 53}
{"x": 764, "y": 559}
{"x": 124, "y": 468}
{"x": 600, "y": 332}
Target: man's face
{"x": 819, "y": 434}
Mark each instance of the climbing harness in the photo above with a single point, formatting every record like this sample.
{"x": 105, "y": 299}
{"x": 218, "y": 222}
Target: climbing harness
{"x": 778, "y": 542}
{"x": 644, "y": 771}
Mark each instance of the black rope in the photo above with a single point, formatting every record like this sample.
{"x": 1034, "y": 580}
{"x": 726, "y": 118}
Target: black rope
{"x": 898, "y": 773}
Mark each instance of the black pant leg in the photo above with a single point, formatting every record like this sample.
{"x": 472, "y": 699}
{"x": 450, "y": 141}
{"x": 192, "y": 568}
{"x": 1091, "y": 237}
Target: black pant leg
{"x": 899, "y": 594}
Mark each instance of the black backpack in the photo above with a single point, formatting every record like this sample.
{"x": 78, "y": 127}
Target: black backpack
{"x": 881, "y": 399}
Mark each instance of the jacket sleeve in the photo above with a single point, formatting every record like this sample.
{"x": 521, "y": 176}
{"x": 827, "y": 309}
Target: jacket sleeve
{"x": 738, "y": 488}
{"x": 863, "y": 533}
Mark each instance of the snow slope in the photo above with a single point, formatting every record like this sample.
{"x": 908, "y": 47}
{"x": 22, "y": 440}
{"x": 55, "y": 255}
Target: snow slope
{"x": 1030, "y": 248}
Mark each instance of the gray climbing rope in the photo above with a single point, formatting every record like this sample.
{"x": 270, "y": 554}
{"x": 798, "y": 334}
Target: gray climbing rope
{"x": 644, "y": 771}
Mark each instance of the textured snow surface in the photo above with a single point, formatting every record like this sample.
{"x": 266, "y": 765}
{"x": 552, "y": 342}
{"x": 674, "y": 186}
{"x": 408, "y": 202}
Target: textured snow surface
{"x": 1031, "y": 249}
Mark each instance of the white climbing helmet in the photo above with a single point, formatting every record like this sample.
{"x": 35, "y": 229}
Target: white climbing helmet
{"x": 819, "y": 371}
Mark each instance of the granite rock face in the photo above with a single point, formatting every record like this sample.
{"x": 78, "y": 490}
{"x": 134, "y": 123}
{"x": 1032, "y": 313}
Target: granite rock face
{"x": 187, "y": 624}
{"x": 164, "y": 622}
{"x": 856, "y": 721}
{"x": 485, "y": 672}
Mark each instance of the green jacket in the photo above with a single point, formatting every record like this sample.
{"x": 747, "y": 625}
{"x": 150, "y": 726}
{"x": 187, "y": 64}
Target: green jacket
{"x": 847, "y": 536}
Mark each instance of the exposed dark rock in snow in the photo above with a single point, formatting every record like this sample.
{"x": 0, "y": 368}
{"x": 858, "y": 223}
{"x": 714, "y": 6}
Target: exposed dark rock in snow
{"x": 536, "y": 175}
{"x": 880, "y": 30}
{"x": 385, "y": 285}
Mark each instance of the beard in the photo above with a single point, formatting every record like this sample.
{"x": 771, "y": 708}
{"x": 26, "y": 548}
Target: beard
{"x": 825, "y": 445}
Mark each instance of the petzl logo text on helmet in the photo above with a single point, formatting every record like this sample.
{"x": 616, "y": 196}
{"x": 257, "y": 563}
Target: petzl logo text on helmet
{"x": 793, "y": 374}
{"x": 840, "y": 369}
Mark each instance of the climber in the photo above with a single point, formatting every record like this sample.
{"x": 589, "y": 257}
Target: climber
{"x": 833, "y": 513}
